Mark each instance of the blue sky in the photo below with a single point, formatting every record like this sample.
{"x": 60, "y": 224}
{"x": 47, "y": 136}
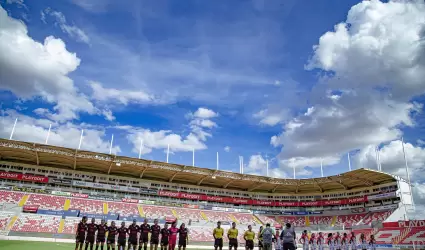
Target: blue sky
{"x": 297, "y": 82}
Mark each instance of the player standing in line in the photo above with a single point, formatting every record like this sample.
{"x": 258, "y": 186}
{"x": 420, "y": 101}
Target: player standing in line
{"x": 112, "y": 233}
{"x": 344, "y": 242}
{"x": 144, "y": 235}
{"x": 183, "y": 237}
{"x": 80, "y": 235}
{"x": 249, "y": 237}
{"x": 331, "y": 242}
{"x": 338, "y": 241}
{"x": 288, "y": 237}
{"x": 172, "y": 236}
{"x": 372, "y": 242}
{"x": 218, "y": 233}
{"x": 122, "y": 236}
{"x": 278, "y": 241}
{"x": 133, "y": 230}
{"x": 304, "y": 240}
{"x": 260, "y": 238}
{"x": 313, "y": 241}
{"x": 320, "y": 241}
{"x": 232, "y": 235}
{"x": 353, "y": 241}
{"x": 91, "y": 233}
{"x": 102, "y": 228}
{"x": 155, "y": 231}
{"x": 363, "y": 241}
{"x": 164, "y": 237}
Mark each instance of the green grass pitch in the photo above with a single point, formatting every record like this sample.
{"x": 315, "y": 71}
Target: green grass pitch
{"x": 32, "y": 245}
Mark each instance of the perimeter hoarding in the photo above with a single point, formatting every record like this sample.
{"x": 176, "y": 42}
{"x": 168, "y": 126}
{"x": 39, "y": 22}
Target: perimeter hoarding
{"x": 242, "y": 201}
{"x": 23, "y": 177}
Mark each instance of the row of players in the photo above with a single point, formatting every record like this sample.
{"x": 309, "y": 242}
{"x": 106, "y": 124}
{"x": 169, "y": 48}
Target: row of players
{"x": 336, "y": 241}
{"x": 89, "y": 233}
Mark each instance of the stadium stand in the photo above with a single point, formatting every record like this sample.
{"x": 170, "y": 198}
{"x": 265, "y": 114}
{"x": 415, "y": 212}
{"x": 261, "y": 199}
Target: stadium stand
{"x": 46, "y": 201}
{"x": 186, "y": 214}
{"x": 37, "y": 223}
{"x": 349, "y": 219}
{"x": 124, "y": 209}
{"x": 5, "y": 218}
{"x": 294, "y": 220}
{"x": 87, "y": 206}
{"x": 10, "y": 197}
{"x": 320, "y": 220}
{"x": 217, "y": 216}
{"x": 242, "y": 218}
{"x": 157, "y": 212}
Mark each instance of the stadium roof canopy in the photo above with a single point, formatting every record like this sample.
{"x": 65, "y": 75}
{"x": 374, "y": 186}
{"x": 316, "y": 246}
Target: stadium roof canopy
{"x": 67, "y": 158}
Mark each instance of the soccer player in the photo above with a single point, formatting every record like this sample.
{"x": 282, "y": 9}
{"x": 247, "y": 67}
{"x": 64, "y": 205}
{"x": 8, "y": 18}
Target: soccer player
{"x": 344, "y": 242}
{"x": 133, "y": 230}
{"x": 331, "y": 242}
{"x": 172, "y": 236}
{"x": 249, "y": 237}
{"x": 304, "y": 240}
{"x": 353, "y": 242}
{"x": 155, "y": 231}
{"x": 145, "y": 229}
{"x": 122, "y": 236}
{"x": 164, "y": 237}
{"x": 320, "y": 241}
{"x": 338, "y": 241}
{"x": 278, "y": 241}
{"x": 80, "y": 235}
{"x": 232, "y": 235}
{"x": 260, "y": 238}
{"x": 372, "y": 242}
{"x": 102, "y": 228}
{"x": 112, "y": 233}
{"x": 313, "y": 242}
{"x": 183, "y": 237}
{"x": 363, "y": 241}
{"x": 91, "y": 232}
{"x": 218, "y": 233}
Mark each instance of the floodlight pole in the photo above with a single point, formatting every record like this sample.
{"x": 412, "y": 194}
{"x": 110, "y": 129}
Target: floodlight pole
{"x": 48, "y": 134}
{"x": 349, "y": 162}
{"x": 321, "y": 166}
{"x": 168, "y": 151}
{"x": 193, "y": 157}
{"x": 407, "y": 172}
{"x": 13, "y": 129}
{"x": 294, "y": 172}
{"x": 140, "y": 148}
{"x": 217, "y": 160}
{"x": 110, "y": 146}
{"x": 267, "y": 167}
{"x": 81, "y": 139}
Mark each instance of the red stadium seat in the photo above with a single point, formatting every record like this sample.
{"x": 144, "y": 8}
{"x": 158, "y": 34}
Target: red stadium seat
{"x": 87, "y": 206}
{"x": 10, "y": 197}
{"x": 37, "y": 223}
{"x": 48, "y": 202}
{"x": 123, "y": 209}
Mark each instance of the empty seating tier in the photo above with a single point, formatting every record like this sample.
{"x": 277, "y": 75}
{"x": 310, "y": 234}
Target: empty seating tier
{"x": 46, "y": 201}
{"x": 123, "y": 209}
{"x": 87, "y": 206}
{"x": 37, "y": 223}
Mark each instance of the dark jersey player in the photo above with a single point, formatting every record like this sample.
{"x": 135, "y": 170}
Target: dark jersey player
{"x": 102, "y": 228}
{"x": 112, "y": 234}
{"x": 183, "y": 239}
{"x": 155, "y": 231}
{"x": 122, "y": 236}
{"x": 144, "y": 235}
{"x": 133, "y": 230}
{"x": 91, "y": 233}
{"x": 80, "y": 235}
{"x": 164, "y": 237}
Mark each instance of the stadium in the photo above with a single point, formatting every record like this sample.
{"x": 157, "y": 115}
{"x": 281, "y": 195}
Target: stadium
{"x": 46, "y": 190}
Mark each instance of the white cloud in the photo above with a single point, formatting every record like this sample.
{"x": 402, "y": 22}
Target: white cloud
{"x": 19, "y": 3}
{"x": 227, "y": 149}
{"x": 301, "y": 162}
{"x": 110, "y": 95}
{"x": 380, "y": 44}
{"x": 374, "y": 65}
{"x": 31, "y": 69}
{"x": 257, "y": 165}
{"x": 205, "y": 113}
{"x": 72, "y": 30}
{"x": 108, "y": 115}
{"x": 65, "y": 135}
{"x": 392, "y": 159}
{"x": 161, "y": 139}
{"x": 270, "y": 118}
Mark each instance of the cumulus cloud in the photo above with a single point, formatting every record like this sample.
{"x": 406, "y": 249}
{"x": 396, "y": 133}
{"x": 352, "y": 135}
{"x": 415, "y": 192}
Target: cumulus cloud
{"x": 271, "y": 118}
{"x": 60, "y": 20}
{"x": 372, "y": 66}
{"x": 392, "y": 159}
{"x": 65, "y": 135}
{"x": 32, "y": 69}
{"x": 227, "y": 149}
{"x": 122, "y": 96}
{"x": 195, "y": 140}
{"x": 257, "y": 165}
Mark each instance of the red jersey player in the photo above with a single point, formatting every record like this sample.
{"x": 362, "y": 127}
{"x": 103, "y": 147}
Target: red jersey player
{"x": 155, "y": 231}
{"x": 80, "y": 235}
{"x": 102, "y": 228}
{"x": 164, "y": 237}
{"x": 91, "y": 233}
{"x": 133, "y": 230}
{"x": 144, "y": 235}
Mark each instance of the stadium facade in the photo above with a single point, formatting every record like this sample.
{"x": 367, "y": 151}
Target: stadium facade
{"x": 45, "y": 190}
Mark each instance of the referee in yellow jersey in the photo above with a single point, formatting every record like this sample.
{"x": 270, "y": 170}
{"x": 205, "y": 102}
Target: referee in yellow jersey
{"x": 249, "y": 238}
{"x": 232, "y": 235}
{"x": 218, "y": 236}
